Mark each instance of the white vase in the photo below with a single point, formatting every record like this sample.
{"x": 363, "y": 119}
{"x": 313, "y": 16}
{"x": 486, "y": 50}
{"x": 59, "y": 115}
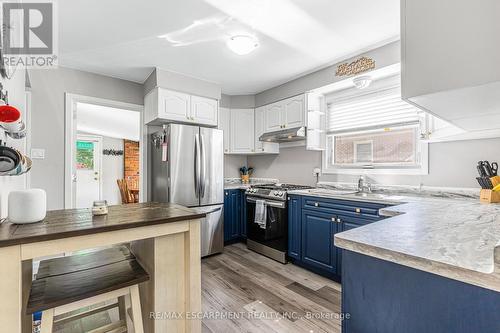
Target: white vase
{"x": 27, "y": 206}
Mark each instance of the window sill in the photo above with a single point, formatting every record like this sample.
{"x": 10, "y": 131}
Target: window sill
{"x": 408, "y": 172}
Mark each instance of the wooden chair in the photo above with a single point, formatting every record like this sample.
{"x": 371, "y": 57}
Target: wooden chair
{"x": 67, "y": 284}
{"x": 127, "y": 196}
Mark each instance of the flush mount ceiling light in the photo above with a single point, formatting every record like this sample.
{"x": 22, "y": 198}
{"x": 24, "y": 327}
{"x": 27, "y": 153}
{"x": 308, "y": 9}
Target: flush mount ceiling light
{"x": 362, "y": 82}
{"x": 242, "y": 44}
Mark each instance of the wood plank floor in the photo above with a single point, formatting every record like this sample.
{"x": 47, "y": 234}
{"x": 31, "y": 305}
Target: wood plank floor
{"x": 243, "y": 291}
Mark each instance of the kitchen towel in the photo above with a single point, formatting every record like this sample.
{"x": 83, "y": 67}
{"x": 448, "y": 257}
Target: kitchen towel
{"x": 260, "y": 213}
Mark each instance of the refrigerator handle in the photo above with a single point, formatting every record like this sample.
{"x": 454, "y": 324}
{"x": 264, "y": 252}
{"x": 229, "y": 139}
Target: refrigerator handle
{"x": 197, "y": 157}
{"x": 203, "y": 168}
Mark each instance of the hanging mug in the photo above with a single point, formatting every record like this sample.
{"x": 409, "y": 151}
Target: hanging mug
{"x": 10, "y": 118}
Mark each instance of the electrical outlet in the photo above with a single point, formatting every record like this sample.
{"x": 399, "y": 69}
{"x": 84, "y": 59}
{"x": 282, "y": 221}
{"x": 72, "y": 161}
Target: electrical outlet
{"x": 38, "y": 154}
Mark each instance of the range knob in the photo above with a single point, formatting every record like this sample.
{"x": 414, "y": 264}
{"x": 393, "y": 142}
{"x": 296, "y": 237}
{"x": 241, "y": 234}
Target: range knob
{"x": 275, "y": 193}
{"x": 280, "y": 193}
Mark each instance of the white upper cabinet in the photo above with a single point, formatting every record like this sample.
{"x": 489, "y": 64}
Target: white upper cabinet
{"x": 242, "y": 131}
{"x": 204, "y": 110}
{"x": 162, "y": 105}
{"x": 174, "y": 105}
{"x": 294, "y": 112}
{"x": 287, "y": 113}
{"x": 450, "y": 50}
{"x": 273, "y": 117}
{"x": 263, "y": 147}
{"x": 225, "y": 126}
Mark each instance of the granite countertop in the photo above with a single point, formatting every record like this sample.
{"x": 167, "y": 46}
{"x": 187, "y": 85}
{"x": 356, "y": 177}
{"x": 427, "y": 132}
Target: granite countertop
{"x": 457, "y": 238}
{"x": 236, "y": 184}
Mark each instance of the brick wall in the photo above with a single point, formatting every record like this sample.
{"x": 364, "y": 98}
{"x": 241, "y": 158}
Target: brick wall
{"x": 131, "y": 163}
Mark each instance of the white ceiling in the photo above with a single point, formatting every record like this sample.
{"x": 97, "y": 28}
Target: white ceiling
{"x": 120, "y": 37}
{"x": 107, "y": 121}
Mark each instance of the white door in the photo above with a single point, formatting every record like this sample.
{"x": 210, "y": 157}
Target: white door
{"x": 294, "y": 112}
{"x": 242, "y": 131}
{"x": 174, "y": 106}
{"x": 225, "y": 125}
{"x": 273, "y": 117}
{"x": 204, "y": 110}
{"x": 88, "y": 170}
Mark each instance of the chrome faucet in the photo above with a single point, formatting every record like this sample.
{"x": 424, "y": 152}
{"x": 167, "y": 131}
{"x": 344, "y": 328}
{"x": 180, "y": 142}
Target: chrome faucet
{"x": 363, "y": 185}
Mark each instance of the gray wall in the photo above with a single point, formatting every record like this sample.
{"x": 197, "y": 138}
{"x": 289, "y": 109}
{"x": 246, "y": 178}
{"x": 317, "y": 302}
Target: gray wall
{"x": 386, "y": 55}
{"x": 232, "y": 165}
{"x": 452, "y": 164}
{"x": 48, "y": 108}
{"x": 237, "y": 101}
{"x": 183, "y": 83}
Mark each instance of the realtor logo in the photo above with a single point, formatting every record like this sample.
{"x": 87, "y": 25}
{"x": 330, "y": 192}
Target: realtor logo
{"x": 29, "y": 34}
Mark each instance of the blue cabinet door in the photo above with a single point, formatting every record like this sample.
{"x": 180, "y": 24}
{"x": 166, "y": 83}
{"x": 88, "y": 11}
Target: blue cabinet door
{"x": 318, "y": 249}
{"x": 243, "y": 215}
{"x": 232, "y": 214}
{"x": 294, "y": 227}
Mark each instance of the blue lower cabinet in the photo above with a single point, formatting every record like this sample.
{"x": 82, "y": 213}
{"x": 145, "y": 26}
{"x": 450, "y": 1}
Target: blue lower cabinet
{"x": 381, "y": 296}
{"x": 232, "y": 215}
{"x": 318, "y": 249}
{"x": 312, "y": 224}
{"x": 294, "y": 227}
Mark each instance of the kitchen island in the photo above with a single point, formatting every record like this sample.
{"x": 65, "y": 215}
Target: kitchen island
{"x": 165, "y": 238}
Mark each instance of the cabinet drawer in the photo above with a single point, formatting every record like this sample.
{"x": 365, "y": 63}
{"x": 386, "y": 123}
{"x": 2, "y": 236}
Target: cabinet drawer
{"x": 368, "y": 210}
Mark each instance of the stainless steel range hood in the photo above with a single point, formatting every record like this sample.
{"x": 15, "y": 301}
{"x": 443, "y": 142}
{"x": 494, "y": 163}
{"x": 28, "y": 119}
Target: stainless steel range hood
{"x": 285, "y": 135}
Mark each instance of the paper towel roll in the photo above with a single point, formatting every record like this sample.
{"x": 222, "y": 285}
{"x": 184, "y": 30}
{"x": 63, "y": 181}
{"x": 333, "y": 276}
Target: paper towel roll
{"x": 27, "y": 206}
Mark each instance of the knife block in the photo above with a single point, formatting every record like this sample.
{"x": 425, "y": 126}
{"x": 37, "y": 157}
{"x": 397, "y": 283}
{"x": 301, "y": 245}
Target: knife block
{"x": 489, "y": 196}
{"x": 495, "y": 180}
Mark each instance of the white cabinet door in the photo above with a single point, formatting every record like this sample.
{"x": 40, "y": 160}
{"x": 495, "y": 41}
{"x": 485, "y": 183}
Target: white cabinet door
{"x": 273, "y": 119}
{"x": 204, "y": 110}
{"x": 294, "y": 112}
{"x": 263, "y": 147}
{"x": 242, "y": 131}
{"x": 174, "y": 105}
{"x": 225, "y": 126}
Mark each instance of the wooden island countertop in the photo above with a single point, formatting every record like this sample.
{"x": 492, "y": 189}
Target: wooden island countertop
{"x": 77, "y": 222}
{"x": 164, "y": 237}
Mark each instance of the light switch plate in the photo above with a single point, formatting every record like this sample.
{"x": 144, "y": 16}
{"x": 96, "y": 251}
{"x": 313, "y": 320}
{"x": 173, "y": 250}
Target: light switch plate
{"x": 37, "y": 153}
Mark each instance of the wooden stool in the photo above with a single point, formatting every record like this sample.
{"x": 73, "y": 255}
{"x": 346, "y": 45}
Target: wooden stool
{"x": 69, "y": 283}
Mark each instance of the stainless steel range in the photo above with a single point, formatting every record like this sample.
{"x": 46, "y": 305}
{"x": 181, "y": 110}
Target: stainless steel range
{"x": 267, "y": 219}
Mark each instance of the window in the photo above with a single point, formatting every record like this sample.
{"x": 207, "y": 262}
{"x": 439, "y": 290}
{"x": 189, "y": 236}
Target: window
{"x": 374, "y": 129}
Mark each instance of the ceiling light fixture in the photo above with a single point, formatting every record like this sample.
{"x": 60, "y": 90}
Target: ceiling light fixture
{"x": 242, "y": 44}
{"x": 362, "y": 82}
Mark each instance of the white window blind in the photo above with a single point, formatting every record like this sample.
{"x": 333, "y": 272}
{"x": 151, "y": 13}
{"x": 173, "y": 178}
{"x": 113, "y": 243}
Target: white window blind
{"x": 377, "y": 108}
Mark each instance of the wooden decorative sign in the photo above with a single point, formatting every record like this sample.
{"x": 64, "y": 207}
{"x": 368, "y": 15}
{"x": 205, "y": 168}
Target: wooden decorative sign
{"x": 361, "y": 65}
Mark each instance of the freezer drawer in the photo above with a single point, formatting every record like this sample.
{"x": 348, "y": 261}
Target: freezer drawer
{"x": 212, "y": 229}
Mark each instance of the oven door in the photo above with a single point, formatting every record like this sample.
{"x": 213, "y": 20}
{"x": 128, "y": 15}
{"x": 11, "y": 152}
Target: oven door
{"x": 275, "y": 233}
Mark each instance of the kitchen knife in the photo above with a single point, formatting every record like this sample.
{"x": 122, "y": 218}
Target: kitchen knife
{"x": 480, "y": 181}
{"x": 480, "y": 169}
{"x": 488, "y": 169}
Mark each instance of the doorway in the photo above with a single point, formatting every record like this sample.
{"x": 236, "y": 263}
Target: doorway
{"x": 88, "y": 170}
{"x": 104, "y": 151}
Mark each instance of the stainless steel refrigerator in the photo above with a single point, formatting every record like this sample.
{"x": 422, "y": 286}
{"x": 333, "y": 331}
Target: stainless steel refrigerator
{"x": 187, "y": 168}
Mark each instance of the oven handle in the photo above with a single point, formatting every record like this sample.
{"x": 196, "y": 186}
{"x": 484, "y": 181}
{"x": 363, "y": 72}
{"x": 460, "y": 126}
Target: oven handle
{"x": 276, "y": 204}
